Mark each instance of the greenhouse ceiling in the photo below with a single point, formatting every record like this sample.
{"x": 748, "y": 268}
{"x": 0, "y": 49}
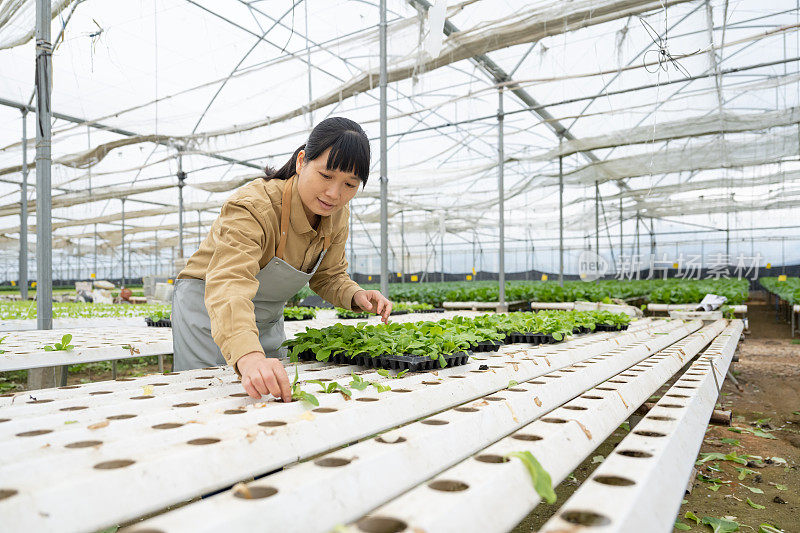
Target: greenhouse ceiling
{"x": 683, "y": 112}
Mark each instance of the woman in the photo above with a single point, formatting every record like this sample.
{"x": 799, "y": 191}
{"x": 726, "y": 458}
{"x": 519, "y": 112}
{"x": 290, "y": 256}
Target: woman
{"x": 273, "y": 236}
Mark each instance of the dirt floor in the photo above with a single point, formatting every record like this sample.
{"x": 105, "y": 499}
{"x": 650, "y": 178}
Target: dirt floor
{"x": 769, "y": 373}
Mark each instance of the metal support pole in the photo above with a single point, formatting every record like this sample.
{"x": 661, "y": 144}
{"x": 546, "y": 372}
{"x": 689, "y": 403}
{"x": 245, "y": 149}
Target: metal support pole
{"x": 501, "y": 197}
{"x": 402, "y": 247}
{"x": 157, "y": 256}
{"x": 442, "y": 230}
{"x": 384, "y": 150}
{"x": 95, "y": 251}
{"x": 621, "y": 250}
{"x": 122, "y": 242}
{"x": 560, "y": 216}
{"x": 597, "y": 221}
{"x": 181, "y": 178}
{"x": 44, "y": 222}
{"x": 23, "y": 213}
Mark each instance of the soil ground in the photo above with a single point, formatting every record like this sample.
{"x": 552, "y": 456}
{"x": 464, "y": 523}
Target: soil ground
{"x": 769, "y": 373}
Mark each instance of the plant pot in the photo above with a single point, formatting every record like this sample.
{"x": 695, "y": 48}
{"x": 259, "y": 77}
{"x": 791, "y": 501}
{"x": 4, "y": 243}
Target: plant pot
{"x": 161, "y": 323}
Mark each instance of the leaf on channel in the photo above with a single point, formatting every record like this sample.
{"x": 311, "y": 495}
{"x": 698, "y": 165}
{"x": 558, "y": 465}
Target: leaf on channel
{"x": 754, "y": 505}
{"x": 542, "y": 482}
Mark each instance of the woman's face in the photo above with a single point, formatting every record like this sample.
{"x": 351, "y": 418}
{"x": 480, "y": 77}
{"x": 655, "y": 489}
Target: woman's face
{"x": 324, "y": 191}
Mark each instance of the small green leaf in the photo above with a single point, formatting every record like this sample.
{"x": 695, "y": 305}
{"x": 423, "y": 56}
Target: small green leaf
{"x": 754, "y": 505}
{"x": 626, "y": 426}
{"x": 781, "y": 487}
{"x": 768, "y": 528}
{"x": 542, "y": 482}
{"x": 754, "y": 490}
{"x": 691, "y": 516}
{"x": 734, "y": 442}
{"x": 598, "y": 459}
{"x": 714, "y": 488}
{"x": 306, "y": 397}
{"x": 681, "y": 526}
{"x": 720, "y": 525}
{"x": 512, "y": 383}
{"x": 71, "y": 422}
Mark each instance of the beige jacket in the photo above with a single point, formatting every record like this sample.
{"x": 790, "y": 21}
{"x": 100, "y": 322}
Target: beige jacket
{"x": 242, "y": 241}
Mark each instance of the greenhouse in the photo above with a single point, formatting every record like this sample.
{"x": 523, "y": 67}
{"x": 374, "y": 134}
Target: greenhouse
{"x": 263, "y": 250}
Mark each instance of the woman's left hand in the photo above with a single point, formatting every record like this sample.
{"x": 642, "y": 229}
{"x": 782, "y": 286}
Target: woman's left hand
{"x": 374, "y": 302}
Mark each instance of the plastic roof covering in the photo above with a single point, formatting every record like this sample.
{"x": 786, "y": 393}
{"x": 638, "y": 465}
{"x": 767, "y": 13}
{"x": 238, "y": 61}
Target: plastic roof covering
{"x": 246, "y": 80}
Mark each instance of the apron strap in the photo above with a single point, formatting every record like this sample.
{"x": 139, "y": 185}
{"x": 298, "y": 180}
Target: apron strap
{"x": 286, "y": 209}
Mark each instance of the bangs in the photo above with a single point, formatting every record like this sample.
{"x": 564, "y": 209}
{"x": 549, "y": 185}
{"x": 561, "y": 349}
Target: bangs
{"x": 350, "y": 153}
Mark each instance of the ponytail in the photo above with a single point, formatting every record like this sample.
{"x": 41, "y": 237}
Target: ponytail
{"x": 287, "y": 170}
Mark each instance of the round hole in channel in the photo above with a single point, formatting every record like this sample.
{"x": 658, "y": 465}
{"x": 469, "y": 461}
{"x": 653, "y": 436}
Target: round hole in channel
{"x": 169, "y": 374}
{"x": 34, "y": 433}
{"x": 660, "y": 418}
{"x": 605, "y": 388}
{"x": 644, "y": 433}
{"x": 95, "y": 393}
{"x": 617, "y": 381}
{"x": 690, "y": 380}
{"x": 676, "y": 395}
{"x": 400, "y": 390}
{"x": 74, "y": 408}
{"x": 159, "y": 384}
{"x": 431, "y": 383}
{"x": 478, "y": 371}
{"x": 616, "y": 481}
{"x": 458, "y": 377}
{"x": 635, "y": 453}
{"x": 526, "y": 437}
{"x": 517, "y": 389}
{"x": 167, "y": 425}
{"x": 70, "y": 387}
{"x": 366, "y": 399}
{"x": 186, "y": 404}
{"x": 466, "y": 410}
{"x": 111, "y": 465}
{"x": 4, "y": 420}
{"x": 585, "y": 518}
{"x": 238, "y": 395}
{"x": 7, "y": 395}
{"x": 324, "y": 410}
{"x": 491, "y": 458}
{"x": 204, "y": 377}
{"x": 670, "y": 405}
{"x": 590, "y": 397}
{"x": 575, "y": 408}
{"x": 495, "y": 366}
{"x": 83, "y": 444}
{"x": 396, "y": 441}
{"x": 553, "y": 420}
{"x": 494, "y": 398}
{"x": 121, "y": 417}
{"x": 203, "y": 388}
{"x": 143, "y": 397}
{"x": 331, "y": 462}
{"x": 233, "y": 411}
{"x": 684, "y": 387}
{"x": 124, "y": 379}
{"x": 537, "y": 382}
{"x": 255, "y": 492}
{"x": 448, "y": 485}
{"x": 209, "y": 368}
{"x": 7, "y": 493}
{"x": 381, "y": 524}
{"x": 203, "y": 441}
{"x": 272, "y": 423}
{"x": 46, "y": 400}
{"x": 434, "y": 422}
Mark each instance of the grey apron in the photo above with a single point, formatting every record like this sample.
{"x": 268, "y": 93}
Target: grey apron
{"x": 193, "y": 345}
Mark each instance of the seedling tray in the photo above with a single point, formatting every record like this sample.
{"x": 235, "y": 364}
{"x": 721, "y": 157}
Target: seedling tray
{"x": 486, "y": 346}
{"x": 530, "y": 338}
{"x": 292, "y": 319}
{"x": 161, "y": 323}
{"x": 413, "y": 363}
{"x": 609, "y": 327}
{"x": 434, "y": 310}
{"x": 359, "y": 317}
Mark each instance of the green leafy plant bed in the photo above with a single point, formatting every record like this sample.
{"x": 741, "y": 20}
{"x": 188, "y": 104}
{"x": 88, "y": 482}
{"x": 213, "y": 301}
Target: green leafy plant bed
{"x": 412, "y": 363}
{"x": 788, "y": 290}
{"x": 298, "y": 313}
{"x": 347, "y": 314}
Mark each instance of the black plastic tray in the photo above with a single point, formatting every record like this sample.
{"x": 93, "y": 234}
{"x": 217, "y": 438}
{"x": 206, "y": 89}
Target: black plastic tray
{"x": 287, "y": 319}
{"x": 434, "y": 310}
{"x": 413, "y": 363}
{"x": 530, "y": 338}
{"x": 486, "y": 346}
{"x": 354, "y": 317}
{"x": 162, "y": 323}
{"x": 609, "y": 327}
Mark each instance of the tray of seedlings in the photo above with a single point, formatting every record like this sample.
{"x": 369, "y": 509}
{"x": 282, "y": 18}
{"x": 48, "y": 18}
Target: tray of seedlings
{"x": 159, "y": 319}
{"x": 294, "y": 313}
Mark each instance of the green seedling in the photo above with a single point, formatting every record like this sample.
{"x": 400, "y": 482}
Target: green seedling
{"x": 62, "y": 346}
{"x": 720, "y": 525}
{"x": 330, "y": 388}
{"x": 385, "y": 373}
{"x": 300, "y": 395}
{"x": 691, "y": 516}
{"x": 542, "y": 482}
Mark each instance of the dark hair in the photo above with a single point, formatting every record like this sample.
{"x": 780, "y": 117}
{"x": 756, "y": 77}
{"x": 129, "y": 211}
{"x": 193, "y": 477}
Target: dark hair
{"x": 349, "y": 149}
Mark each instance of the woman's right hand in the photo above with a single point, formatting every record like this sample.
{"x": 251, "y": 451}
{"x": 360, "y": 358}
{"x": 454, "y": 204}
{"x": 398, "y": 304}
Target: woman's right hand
{"x": 262, "y": 375}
